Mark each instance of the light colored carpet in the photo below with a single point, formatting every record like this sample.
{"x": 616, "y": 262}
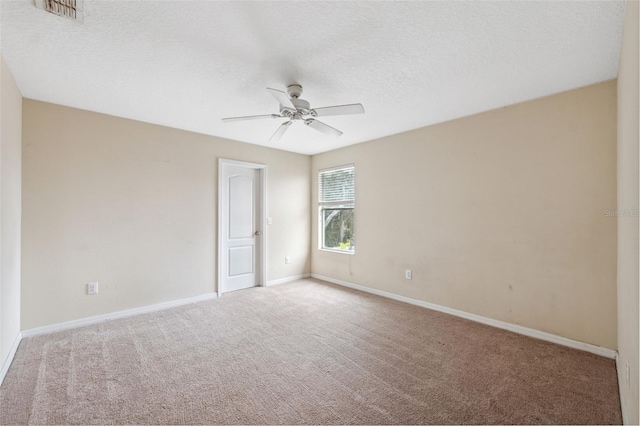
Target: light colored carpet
{"x": 303, "y": 353}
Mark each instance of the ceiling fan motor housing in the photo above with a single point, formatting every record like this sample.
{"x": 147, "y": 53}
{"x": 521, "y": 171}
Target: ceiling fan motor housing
{"x": 294, "y": 91}
{"x": 302, "y": 107}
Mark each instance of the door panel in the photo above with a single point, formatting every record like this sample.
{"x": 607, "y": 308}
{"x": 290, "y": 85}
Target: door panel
{"x": 241, "y": 207}
{"x": 239, "y": 198}
{"x": 241, "y": 260}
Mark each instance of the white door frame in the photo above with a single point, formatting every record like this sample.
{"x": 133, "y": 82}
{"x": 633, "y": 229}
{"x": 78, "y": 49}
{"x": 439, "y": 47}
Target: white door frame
{"x": 262, "y": 211}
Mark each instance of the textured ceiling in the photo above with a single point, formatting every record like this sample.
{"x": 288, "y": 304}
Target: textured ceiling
{"x": 187, "y": 64}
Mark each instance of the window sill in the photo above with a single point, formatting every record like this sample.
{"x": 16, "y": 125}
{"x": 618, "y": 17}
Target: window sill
{"x": 337, "y": 251}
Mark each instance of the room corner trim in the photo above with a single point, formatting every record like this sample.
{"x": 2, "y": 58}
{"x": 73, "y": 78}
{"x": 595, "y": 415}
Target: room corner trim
{"x": 564, "y": 341}
{"x": 287, "y": 279}
{"x": 9, "y": 360}
{"x": 621, "y": 378}
{"x": 115, "y": 315}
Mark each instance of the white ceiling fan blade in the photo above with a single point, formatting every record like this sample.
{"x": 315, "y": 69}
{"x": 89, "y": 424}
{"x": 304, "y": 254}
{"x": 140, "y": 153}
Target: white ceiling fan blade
{"x": 251, "y": 117}
{"x": 282, "y": 98}
{"x": 322, "y": 128}
{"x": 281, "y": 130}
{"x": 339, "y": 110}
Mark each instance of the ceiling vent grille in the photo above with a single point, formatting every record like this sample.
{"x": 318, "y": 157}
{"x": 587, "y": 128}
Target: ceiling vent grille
{"x": 71, "y": 9}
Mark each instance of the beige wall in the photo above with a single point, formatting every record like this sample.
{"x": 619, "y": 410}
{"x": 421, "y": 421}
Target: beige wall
{"x": 501, "y": 214}
{"x": 628, "y": 215}
{"x": 10, "y": 166}
{"x": 133, "y": 206}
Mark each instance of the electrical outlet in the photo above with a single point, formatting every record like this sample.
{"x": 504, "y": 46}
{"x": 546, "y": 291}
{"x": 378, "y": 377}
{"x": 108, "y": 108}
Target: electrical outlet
{"x": 92, "y": 288}
{"x": 626, "y": 372}
{"x": 407, "y": 274}
{"x": 287, "y": 260}
{"x": 269, "y": 221}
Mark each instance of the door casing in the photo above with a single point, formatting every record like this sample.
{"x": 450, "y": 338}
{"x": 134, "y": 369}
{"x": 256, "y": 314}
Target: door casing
{"x": 262, "y": 212}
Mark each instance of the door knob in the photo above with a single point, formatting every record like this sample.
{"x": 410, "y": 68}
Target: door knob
{"x": 257, "y": 233}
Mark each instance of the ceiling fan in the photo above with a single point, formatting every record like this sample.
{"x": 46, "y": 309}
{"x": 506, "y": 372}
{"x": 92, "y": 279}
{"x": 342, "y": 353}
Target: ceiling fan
{"x": 295, "y": 109}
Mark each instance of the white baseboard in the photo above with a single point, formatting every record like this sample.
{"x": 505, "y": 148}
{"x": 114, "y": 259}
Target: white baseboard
{"x": 115, "y": 315}
{"x": 9, "y": 360}
{"x": 287, "y": 279}
{"x": 564, "y": 341}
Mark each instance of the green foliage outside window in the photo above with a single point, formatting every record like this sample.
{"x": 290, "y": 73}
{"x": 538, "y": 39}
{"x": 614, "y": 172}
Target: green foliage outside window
{"x": 338, "y": 228}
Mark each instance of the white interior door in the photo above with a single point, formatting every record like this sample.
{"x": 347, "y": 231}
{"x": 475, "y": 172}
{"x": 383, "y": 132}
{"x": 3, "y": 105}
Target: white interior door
{"x": 240, "y": 232}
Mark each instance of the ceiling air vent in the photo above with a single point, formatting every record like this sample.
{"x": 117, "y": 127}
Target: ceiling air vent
{"x": 71, "y": 9}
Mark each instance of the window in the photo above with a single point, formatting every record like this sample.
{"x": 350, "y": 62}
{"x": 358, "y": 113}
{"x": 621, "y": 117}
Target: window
{"x": 336, "y": 198}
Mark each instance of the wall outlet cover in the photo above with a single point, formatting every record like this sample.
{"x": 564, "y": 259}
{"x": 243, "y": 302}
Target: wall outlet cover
{"x": 92, "y": 288}
{"x": 626, "y": 372}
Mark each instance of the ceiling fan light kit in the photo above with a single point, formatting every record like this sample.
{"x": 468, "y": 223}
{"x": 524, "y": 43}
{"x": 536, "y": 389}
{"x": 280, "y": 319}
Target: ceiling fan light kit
{"x": 295, "y": 109}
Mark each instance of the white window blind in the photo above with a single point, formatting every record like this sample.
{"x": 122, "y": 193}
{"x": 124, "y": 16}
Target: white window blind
{"x": 337, "y": 185}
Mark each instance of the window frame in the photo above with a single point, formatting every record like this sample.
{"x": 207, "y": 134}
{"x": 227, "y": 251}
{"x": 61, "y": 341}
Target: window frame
{"x": 335, "y": 205}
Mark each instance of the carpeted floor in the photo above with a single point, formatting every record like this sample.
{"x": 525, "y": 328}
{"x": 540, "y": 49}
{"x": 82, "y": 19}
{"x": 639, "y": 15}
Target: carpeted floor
{"x": 303, "y": 353}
